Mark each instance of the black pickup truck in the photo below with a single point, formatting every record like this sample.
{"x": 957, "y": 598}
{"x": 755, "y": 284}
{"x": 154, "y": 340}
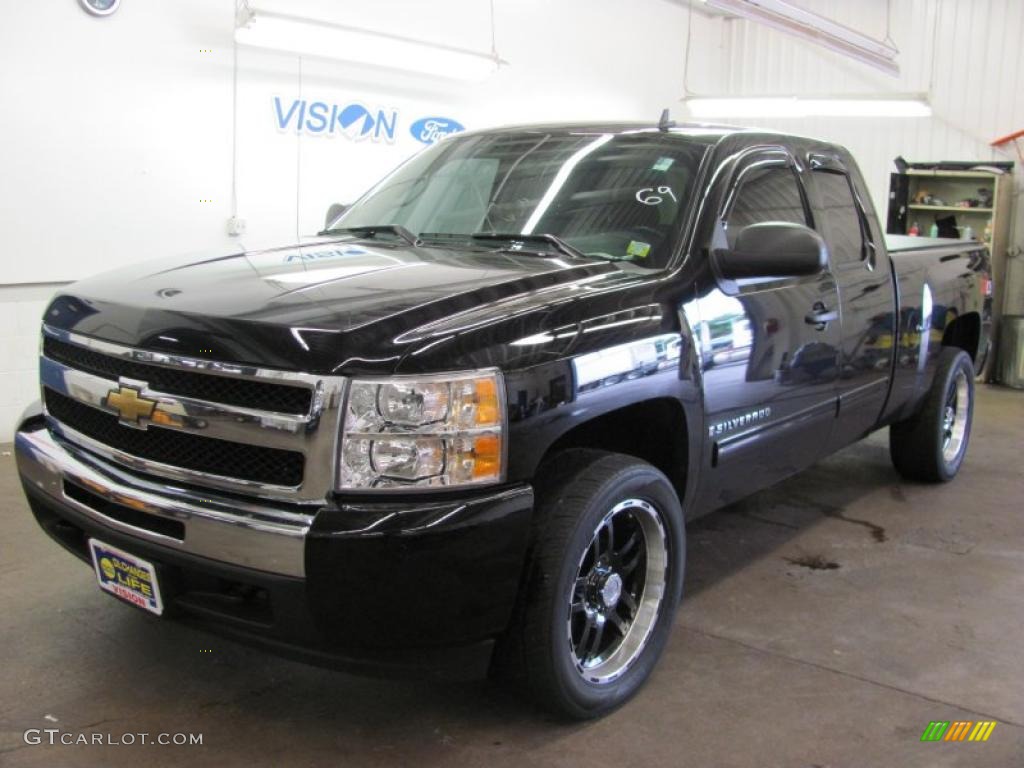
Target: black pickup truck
{"x": 462, "y": 430}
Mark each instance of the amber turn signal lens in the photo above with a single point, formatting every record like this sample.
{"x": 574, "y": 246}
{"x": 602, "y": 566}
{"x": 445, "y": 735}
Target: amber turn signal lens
{"x": 486, "y": 391}
{"x": 486, "y": 457}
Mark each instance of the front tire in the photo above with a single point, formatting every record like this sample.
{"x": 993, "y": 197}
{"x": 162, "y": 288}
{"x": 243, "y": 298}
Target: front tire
{"x": 602, "y": 585}
{"x": 931, "y": 445}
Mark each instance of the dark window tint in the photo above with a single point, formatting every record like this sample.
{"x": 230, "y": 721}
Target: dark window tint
{"x": 768, "y": 193}
{"x": 840, "y": 215}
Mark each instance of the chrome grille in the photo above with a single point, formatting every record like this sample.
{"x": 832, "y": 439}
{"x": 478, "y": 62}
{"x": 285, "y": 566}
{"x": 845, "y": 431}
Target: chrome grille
{"x": 215, "y": 424}
{"x": 278, "y": 398}
{"x": 179, "y": 449}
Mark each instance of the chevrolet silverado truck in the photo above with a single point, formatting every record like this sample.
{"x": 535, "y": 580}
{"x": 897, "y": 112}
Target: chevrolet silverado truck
{"x": 462, "y": 430}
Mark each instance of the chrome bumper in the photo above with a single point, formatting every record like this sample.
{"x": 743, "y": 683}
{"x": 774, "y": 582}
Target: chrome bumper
{"x": 252, "y": 535}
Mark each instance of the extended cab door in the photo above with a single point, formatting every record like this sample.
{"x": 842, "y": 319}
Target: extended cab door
{"x": 867, "y": 313}
{"x": 769, "y": 347}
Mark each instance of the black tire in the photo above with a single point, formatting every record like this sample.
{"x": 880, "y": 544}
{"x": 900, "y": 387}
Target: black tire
{"x": 928, "y": 447}
{"x": 595, "y": 507}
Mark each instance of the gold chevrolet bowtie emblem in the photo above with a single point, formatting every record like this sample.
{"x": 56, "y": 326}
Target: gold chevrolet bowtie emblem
{"x": 129, "y": 405}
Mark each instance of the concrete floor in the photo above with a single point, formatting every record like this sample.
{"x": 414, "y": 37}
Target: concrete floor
{"x": 772, "y": 663}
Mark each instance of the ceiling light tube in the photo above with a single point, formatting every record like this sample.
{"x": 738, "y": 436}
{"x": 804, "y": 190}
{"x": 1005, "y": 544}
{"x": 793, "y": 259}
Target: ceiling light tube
{"x": 796, "y": 21}
{"x": 309, "y": 37}
{"x": 792, "y": 106}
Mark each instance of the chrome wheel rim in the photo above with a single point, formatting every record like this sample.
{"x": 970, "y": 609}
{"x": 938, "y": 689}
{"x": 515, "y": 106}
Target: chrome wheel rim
{"x": 615, "y": 599}
{"x": 954, "y": 418}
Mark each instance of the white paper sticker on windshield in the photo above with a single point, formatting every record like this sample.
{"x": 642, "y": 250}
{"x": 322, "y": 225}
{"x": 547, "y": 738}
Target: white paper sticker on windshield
{"x": 663, "y": 164}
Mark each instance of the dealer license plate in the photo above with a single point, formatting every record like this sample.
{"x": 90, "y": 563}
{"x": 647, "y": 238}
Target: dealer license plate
{"x": 125, "y": 576}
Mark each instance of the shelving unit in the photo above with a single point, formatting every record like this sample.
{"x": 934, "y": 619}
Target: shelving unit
{"x": 952, "y": 187}
{"x": 954, "y": 208}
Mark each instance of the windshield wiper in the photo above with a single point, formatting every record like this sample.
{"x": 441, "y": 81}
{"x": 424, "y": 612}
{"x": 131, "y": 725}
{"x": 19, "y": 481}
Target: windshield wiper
{"x": 556, "y": 243}
{"x": 552, "y": 241}
{"x": 370, "y": 232}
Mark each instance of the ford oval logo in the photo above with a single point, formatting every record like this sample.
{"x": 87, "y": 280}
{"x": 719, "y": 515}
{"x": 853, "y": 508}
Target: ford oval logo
{"x": 431, "y": 129}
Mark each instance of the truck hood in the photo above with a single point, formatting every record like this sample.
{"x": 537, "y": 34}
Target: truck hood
{"x": 321, "y": 306}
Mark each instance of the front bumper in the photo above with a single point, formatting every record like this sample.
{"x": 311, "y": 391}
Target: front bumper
{"x": 403, "y": 587}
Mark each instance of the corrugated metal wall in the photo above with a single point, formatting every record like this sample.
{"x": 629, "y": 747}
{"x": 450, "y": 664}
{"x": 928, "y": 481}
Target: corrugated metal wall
{"x": 966, "y": 53}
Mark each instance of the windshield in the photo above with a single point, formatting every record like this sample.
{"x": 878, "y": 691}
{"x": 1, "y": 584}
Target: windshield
{"x": 613, "y": 196}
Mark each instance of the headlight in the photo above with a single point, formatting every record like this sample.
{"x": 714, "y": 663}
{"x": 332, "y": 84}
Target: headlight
{"x": 423, "y": 431}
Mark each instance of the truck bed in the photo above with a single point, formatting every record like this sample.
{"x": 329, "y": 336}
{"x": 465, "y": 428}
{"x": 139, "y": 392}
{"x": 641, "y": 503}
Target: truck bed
{"x": 903, "y": 243}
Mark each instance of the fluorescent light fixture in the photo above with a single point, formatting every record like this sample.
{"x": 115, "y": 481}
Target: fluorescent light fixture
{"x": 310, "y": 37}
{"x": 796, "y": 21}
{"x": 792, "y": 106}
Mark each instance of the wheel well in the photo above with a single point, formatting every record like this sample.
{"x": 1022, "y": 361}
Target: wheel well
{"x": 964, "y": 333}
{"x": 654, "y": 430}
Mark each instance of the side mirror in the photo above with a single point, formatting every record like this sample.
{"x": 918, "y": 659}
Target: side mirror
{"x": 773, "y": 249}
{"x": 334, "y": 212}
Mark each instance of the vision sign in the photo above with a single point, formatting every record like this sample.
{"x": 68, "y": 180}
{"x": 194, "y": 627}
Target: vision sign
{"x": 356, "y": 121}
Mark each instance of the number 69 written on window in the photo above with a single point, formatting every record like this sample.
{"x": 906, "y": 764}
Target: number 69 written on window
{"x": 654, "y": 195}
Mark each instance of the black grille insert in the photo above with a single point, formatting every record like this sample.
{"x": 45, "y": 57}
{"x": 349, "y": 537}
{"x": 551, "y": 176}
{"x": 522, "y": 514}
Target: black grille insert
{"x": 124, "y": 514}
{"x": 180, "y": 449}
{"x": 259, "y": 395}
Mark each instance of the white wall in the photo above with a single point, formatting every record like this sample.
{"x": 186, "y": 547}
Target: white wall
{"x": 21, "y": 308}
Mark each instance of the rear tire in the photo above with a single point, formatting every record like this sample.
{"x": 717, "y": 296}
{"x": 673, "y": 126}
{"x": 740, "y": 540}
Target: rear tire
{"x": 931, "y": 445}
{"x": 601, "y": 587}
